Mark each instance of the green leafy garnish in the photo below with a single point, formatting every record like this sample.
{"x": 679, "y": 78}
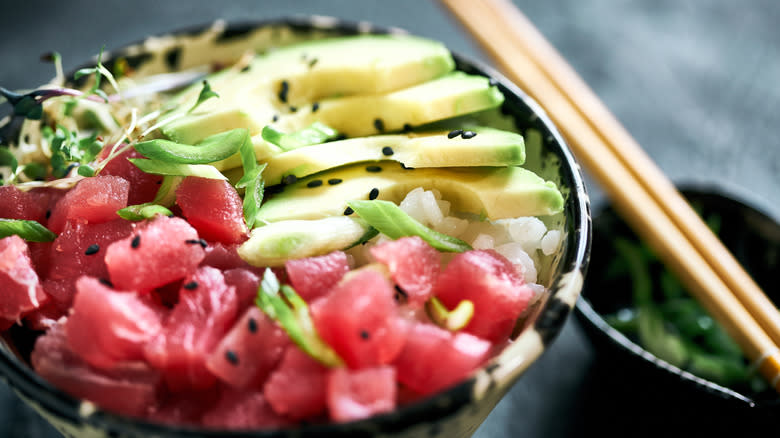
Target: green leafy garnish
{"x": 214, "y": 148}
{"x": 253, "y": 186}
{"x": 393, "y": 222}
{"x": 452, "y": 320}
{"x": 68, "y": 149}
{"x": 34, "y": 171}
{"x": 7, "y": 159}
{"x": 206, "y": 93}
{"x": 28, "y": 230}
{"x": 315, "y": 133}
{"x": 292, "y": 314}
{"x": 163, "y": 168}
{"x": 99, "y": 71}
{"x": 144, "y": 211}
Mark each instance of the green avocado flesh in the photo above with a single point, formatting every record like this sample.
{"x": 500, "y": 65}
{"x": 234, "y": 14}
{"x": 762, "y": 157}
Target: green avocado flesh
{"x": 495, "y": 192}
{"x": 490, "y": 147}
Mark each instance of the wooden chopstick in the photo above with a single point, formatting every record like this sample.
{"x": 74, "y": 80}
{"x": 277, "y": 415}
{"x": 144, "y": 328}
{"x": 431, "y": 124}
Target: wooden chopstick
{"x": 646, "y": 199}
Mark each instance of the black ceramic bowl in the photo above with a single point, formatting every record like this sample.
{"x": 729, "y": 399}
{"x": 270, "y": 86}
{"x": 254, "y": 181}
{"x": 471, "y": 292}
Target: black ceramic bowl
{"x": 658, "y": 390}
{"x": 452, "y": 413}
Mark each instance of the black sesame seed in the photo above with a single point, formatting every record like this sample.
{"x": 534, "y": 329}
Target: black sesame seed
{"x": 48, "y": 214}
{"x": 313, "y": 62}
{"x": 468, "y": 134}
{"x": 201, "y": 242}
{"x": 92, "y": 249}
{"x": 252, "y": 325}
{"x": 105, "y": 282}
{"x": 348, "y": 211}
{"x": 245, "y": 68}
{"x": 274, "y": 189}
{"x": 315, "y": 183}
{"x": 454, "y": 133}
{"x": 407, "y": 127}
{"x": 492, "y": 82}
{"x": 290, "y": 179}
{"x": 400, "y": 295}
{"x": 373, "y": 169}
{"x": 192, "y": 285}
{"x": 231, "y": 357}
{"x": 293, "y": 109}
{"x": 373, "y": 194}
{"x": 387, "y": 151}
{"x": 334, "y": 181}
{"x": 136, "y": 242}
{"x": 379, "y": 125}
{"x": 315, "y": 106}
{"x": 284, "y": 88}
{"x": 364, "y": 334}
{"x": 275, "y": 118}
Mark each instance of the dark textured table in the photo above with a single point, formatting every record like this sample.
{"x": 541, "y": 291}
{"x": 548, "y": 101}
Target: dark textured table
{"x": 696, "y": 82}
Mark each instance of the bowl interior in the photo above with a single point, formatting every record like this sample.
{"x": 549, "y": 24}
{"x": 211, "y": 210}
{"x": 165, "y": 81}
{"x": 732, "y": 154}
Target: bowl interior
{"x": 220, "y": 44}
{"x": 753, "y": 238}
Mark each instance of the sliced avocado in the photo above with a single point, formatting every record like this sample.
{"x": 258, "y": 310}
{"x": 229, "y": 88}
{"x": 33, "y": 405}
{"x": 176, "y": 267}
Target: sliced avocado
{"x": 273, "y": 244}
{"x": 307, "y": 72}
{"x": 496, "y": 192}
{"x": 490, "y": 147}
{"x": 452, "y": 95}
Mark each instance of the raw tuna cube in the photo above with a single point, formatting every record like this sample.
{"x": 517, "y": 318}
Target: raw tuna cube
{"x": 206, "y": 310}
{"x": 92, "y": 200}
{"x": 250, "y": 351}
{"x": 185, "y": 407}
{"x": 223, "y": 256}
{"x": 297, "y": 389}
{"x": 16, "y": 204}
{"x": 107, "y": 326}
{"x": 129, "y": 388}
{"x": 214, "y": 208}
{"x": 434, "y": 358}
{"x": 491, "y": 282}
{"x": 246, "y": 284}
{"x": 157, "y": 254}
{"x": 414, "y": 266}
{"x": 313, "y": 277}
{"x": 143, "y": 186}
{"x": 20, "y": 286}
{"x": 358, "y": 394}
{"x": 372, "y": 331}
{"x": 44, "y": 317}
{"x": 238, "y": 409}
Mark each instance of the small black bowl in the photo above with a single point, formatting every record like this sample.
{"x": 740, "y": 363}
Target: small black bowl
{"x": 662, "y": 392}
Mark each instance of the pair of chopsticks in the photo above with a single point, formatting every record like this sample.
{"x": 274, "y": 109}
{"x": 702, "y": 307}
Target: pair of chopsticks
{"x": 641, "y": 193}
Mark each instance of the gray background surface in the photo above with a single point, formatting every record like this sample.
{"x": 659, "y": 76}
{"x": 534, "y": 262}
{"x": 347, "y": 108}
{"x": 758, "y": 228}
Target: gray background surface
{"x": 696, "y": 82}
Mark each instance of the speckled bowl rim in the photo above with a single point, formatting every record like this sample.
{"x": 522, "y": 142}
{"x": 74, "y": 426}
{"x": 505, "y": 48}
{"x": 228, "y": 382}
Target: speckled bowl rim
{"x": 490, "y": 382}
{"x": 596, "y": 326}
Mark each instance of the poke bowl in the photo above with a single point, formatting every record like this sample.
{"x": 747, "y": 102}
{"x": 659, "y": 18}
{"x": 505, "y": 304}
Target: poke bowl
{"x": 688, "y": 354}
{"x": 195, "y": 68}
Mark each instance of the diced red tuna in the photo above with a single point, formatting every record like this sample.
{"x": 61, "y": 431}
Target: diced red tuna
{"x": 44, "y": 317}
{"x": 414, "y": 266}
{"x": 223, "y": 256}
{"x": 108, "y": 326}
{"x": 298, "y": 387}
{"x": 491, "y": 282}
{"x": 371, "y": 332}
{"x": 250, "y": 351}
{"x": 214, "y": 208}
{"x": 183, "y": 407}
{"x": 20, "y": 285}
{"x": 313, "y": 277}
{"x": 246, "y": 284}
{"x": 206, "y": 310}
{"x": 156, "y": 254}
{"x": 129, "y": 388}
{"x": 434, "y": 358}
{"x": 243, "y": 409}
{"x": 143, "y": 186}
{"x": 357, "y": 394}
{"x": 16, "y": 204}
{"x": 93, "y": 200}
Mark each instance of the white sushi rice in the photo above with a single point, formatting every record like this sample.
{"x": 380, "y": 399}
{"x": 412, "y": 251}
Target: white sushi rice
{"x": 521, "y": 240}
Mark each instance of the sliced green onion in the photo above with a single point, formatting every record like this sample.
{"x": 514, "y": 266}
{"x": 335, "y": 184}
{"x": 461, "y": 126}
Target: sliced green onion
{"x": 214, "y": 148}
{"x": 141, "y": 212}
{"x": 393, "y": 222}
{"x": 453, "y": 320}
{"x": 315, "y": 133}
{"x": 31, "y": 231}
{"x": 166, "y": 194}
{"x": 253, "y": 185}
{"x": 162, "y": 168}
{"x": 292, "y": 314}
